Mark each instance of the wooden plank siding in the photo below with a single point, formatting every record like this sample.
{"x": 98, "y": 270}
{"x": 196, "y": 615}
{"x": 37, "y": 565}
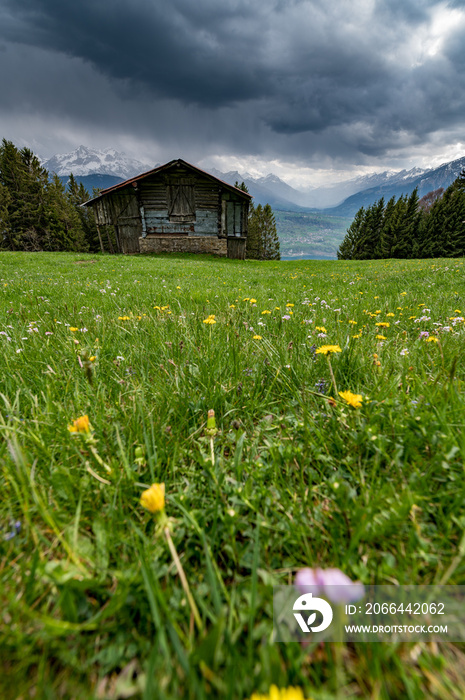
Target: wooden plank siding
{"x": 157, "y": 197}
{"x": 236, "y": 247}
{"x": 174, "y": 201}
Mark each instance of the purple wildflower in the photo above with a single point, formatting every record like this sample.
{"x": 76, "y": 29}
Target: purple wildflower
{"x": 332, "y": 583}
{"x": 15, "y": 527}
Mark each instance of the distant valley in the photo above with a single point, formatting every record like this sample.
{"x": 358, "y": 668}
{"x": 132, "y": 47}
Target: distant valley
{"x": 310, "y": 223}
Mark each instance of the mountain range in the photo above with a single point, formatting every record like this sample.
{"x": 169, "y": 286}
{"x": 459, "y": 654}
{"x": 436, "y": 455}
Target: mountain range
{"x": 103, "y": 169}
{"x": 88, "y": 161}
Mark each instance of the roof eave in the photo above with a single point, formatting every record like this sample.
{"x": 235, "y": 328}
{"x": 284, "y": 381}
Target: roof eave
{"x": 134, "y": 180}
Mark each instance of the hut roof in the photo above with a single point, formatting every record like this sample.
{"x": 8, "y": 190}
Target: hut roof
{"x": 161, "y": 168}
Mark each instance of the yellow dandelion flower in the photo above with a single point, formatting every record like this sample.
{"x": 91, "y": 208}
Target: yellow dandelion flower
{"x": 92, "y": 358}
{"x": 80, "y": 425}
{"x": 257, "y": 337}
{"x": 289, "y": 305}
{"x": 354, "y": 400}
{"x": 276, "y": 693}
{"x": 266, "y": 312}
{"x": 209, "y": 320}
{"x": 232, "y": 306}
{"x": 383, "y": 324}
{"x": 380, "y": 337}
{"x": 320, "y": 328}
{"x": 253, "y": 301}
{"x": 153, "y": 499}
{"x": 354, "y": 323}
{"x": 432, "y": 339}
{"x": 390, "y": 314}
{"x": 359, "y": 335}
{"x": 73, "y": 329}
{"x": 325, "y": 349}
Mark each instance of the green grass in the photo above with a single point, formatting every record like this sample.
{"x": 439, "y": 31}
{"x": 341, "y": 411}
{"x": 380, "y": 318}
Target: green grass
{"x": 92, "y": 604}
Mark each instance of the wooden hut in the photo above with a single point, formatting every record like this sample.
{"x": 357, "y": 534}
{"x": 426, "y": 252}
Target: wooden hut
{"x": 175, "y": 208}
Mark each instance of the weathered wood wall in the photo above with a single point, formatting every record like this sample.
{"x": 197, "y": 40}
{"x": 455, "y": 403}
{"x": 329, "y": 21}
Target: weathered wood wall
{"x": 174, "y": 203}
{"x": 154, "y": 195}
{"x": 236, "y": 247}
{"x": 122, "y": 211}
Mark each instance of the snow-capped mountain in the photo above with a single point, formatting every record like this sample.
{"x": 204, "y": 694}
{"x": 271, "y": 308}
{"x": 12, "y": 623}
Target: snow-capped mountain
{"x": 403, "y": 182}
{"x": 105, "y": 168}
{"x": 88, "y": 161}
{"x": 265, "y": 190}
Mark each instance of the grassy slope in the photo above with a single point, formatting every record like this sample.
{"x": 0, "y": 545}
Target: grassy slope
{"x": 92, "y": 604}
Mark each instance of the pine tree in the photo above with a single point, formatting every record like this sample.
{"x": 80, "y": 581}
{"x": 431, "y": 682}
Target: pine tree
{"x": 262, "y": 237}
{"x": 431, "y": 230}
{"x": 77, "y": 195}
{"x": 411, "y": 228}
{"x": 351, "y": 240}
{"x": 269, "y": 235}
{"x": 11, "y": 181}
{"x": 36, "y": 213}
{"x": 64, "y": 229}
{"x": 453, "y": 238}
{"x": 5, "y": 232}
{"x": 443, "y": 228}
{"x": 371, "y": 231}
{"x": 387, "y": 234}
{"x": 397, "y": 227}
{"x": 26, "y": 182}
{"x": 359, "y": 248}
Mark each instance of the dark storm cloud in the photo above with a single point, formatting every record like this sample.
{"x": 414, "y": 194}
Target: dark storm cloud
{"x": 197, "y": 52}
{"x": 301, "y": 78}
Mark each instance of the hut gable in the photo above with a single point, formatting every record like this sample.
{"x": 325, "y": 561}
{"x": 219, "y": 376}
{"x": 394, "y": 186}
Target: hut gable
{"x": 175, "y": 207}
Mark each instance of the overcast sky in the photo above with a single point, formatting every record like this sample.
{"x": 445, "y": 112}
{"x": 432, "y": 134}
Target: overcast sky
{"x": 313, "y": 90}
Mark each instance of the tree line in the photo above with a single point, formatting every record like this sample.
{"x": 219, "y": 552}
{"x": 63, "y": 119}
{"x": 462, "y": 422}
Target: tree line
{"x": 38, "y": 212}
{"x": 409, "y": 227}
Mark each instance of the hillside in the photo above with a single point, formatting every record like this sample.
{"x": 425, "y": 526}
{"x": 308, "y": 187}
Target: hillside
{"x": 425, "y": 181}
{"x": 345, "y": 198}
{"x": 97, "y": 181}
{"x": 306, "y": 227}
{"x": 310, "y": 234}
{"x": 185, "y": 437}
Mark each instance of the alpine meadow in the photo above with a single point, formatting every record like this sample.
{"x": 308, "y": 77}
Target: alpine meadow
{"x": 181, "y": 433}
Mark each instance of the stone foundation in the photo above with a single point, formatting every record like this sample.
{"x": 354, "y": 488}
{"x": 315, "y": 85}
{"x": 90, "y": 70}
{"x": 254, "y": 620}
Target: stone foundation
{"x": 184, "y": 244}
